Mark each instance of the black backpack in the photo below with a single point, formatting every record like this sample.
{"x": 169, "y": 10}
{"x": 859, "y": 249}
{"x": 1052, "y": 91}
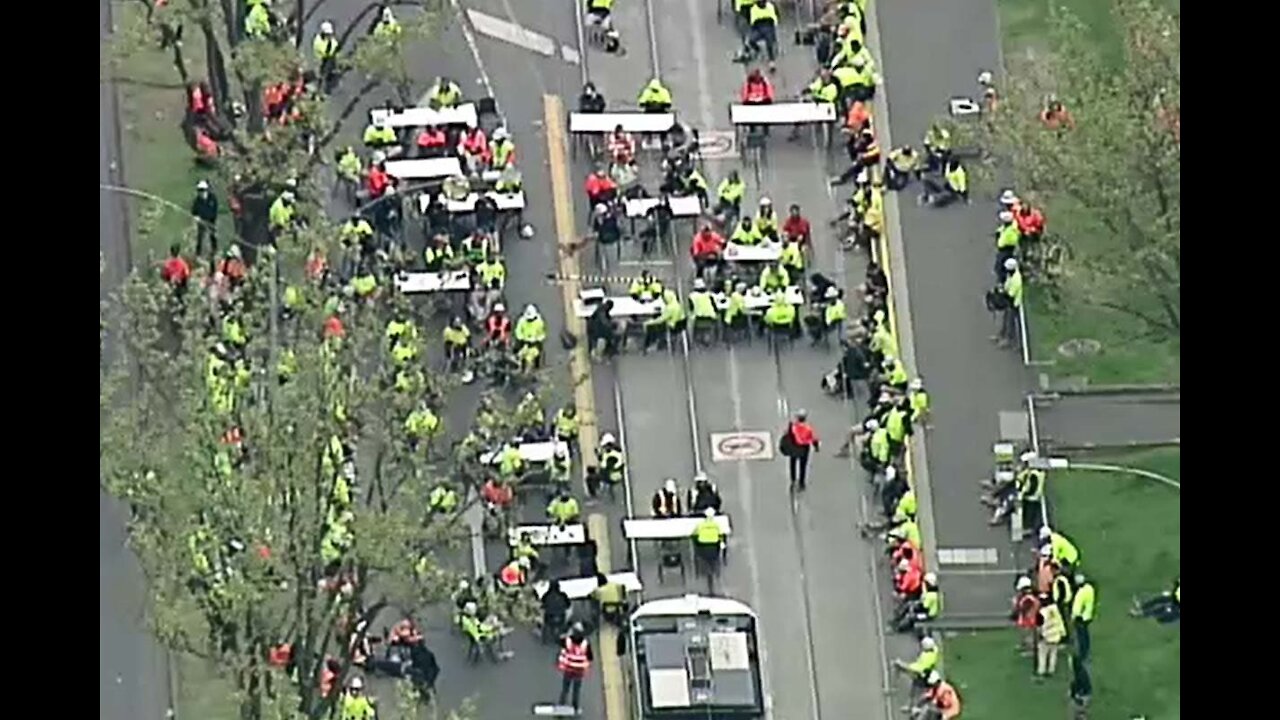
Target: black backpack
{"x": 787, "y": 443}
{"x": 997, "y": 301}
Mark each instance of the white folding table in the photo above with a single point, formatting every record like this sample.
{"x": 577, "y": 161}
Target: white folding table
{"x": 669, "y": 528}
{"x": 530, "y": 452}
{"x": 681, "y": 206}
{"x": 423, "y": 116}
{"x": 547, "y": 535}
{"x": 632, "y": 122}
{"x": 793, "y": 113}
{"x": 623, "y": 306}
{"x": 764, "y": 252}
{"x": 581, "y": 588}
{"x": 762, "y": 301}
{"x": 424, "y": 168}
{"x": 430, "y": 282}
{"x": 513, "y": 202}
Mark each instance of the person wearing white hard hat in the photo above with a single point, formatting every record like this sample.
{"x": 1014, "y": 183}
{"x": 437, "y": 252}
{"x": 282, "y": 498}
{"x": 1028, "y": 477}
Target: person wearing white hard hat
{"x": 666, "y": 501}
{"x": 703, "y": 496}
{"x": 612, "y": 464}
{"x": 386, "y": 26}
{"x": 325, "y": 49}
{"x": 531, "y": 329}
{"x": 708, "y": 542}
{"x": 204, "y": 208}
{"x": 702, "y": 309}
{"x": 502, "y": 150}
{"x": 355, "y": 704}
{"x": 1025, "y": 611}
{"x": 1011, "y": 289}
{"x": 767, "y": 220}
{"x": 940, "y": 700}
{"x": 924, "y": 609}
{"x": 1061, "y": 549}
{"x": 1008, "y": 238}
{"x": 924, "y": 664}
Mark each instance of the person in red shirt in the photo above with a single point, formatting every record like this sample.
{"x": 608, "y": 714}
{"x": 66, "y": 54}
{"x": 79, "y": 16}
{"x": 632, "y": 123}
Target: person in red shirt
{"x": 601, "y": 188}
{"x": 474, "y": 144}
{"x": 707, "y": 250}
{"x": 333, "y": 328}
{"x": 175, "y": 270}
{"x": 796, "y": 228}
{"x": 857, "y": 118}
{"x": 757, "y": 90}
{"x": 232, "y": 266}
{"x": 1030, "y": 222}
{"x": 432, "y": 142}
{"x": 622, "y": 147}
{"x": 377, "y": 180}
{"x": 800, "y": 438}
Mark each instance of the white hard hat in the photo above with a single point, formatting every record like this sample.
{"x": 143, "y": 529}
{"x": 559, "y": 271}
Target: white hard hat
{"x": 931, "y": 578}
{"x": 357, "y": 683}
{"x": 326, "y": 28}
{"x": 1024, "y": 583}
{"x": 669, "y": 485}
{"x": 928, "y": 644}
{"x": 917, "y": 384}
{"x": 1028, "y": 456}
{"x": 872, "y": 424}
{"x": 379, "y": 156}
{"x": 530, "y": 311}
{"x": 287, "y": 195}
{"x": 1045, "y": 532}
{"x": 765, "y": 201}
{"x": 1011, "y": 264}
{"x": 700, "y": 477}
{"x": 904, "y": 564}
{"x": 985, "y": 77}
{"x": 202, "y": 185}
{"x": 833, "y": 292}
{"x": 608, "y": 439}
{"x": 501, "y": 134}
{"x": 709, "y": 512}
{"x": 562, "y": 452}
{"x": 471, "y": 608}
{"x": 1008, "y": 197}
{"x": 935, "y": 677}
{"x": 699, "y": 284}
{"x": 1046, "y": 550}
{"x": 499, "y": 307}
{"x": 890, "y": 473}
{"x": 1006, "y": 216}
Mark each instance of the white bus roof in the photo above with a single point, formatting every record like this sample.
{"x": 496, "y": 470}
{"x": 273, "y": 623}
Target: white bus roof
{"x": 692, "y": 605}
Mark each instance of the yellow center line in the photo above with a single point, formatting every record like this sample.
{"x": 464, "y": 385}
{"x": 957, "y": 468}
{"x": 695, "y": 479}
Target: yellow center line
{"x": 611, "y": 674}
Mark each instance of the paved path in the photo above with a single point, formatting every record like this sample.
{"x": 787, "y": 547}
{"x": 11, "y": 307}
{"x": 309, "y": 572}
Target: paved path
{"x": 934, "y": 51}
{"x": 133, "y": 681}
{"x": 1086, "y": 421}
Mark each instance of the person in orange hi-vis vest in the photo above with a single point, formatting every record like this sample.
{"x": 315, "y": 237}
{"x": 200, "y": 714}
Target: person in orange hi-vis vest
{"x": 573, "y": 663}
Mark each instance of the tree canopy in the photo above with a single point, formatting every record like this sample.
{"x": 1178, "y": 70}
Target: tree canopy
{"x": 282, "y": 466}
{"x": 1111, "y": 173}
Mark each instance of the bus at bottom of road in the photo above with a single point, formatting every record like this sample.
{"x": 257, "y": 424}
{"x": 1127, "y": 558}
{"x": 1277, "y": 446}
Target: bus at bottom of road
{"x": 695, "y": 658}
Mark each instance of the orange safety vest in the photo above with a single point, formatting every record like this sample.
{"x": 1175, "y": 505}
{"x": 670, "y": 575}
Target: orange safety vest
{"x": 498, "y": 327}
{"x": 1026, "y": 607}
{"x": 573, "y": 658}
{"x": 945, "y": 699}
{"x": 511, "y": 574}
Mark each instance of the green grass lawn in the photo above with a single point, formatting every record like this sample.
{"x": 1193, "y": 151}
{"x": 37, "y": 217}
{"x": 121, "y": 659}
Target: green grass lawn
{"x": 1128, "y": 530}
{"x": 157, "y": 159}
{"x": 1127, "y": 355}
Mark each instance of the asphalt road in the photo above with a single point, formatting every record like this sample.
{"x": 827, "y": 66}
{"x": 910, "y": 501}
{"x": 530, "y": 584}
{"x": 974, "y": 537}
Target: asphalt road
{"x": 808, "y": 574}
{"x": 933, "y": 52}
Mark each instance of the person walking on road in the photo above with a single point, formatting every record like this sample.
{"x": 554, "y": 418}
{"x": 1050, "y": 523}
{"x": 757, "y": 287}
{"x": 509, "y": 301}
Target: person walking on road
{"x": 796, "y": 443}
{"x": 575, "y": 658}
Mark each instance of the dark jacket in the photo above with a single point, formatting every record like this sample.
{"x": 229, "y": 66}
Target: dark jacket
{"x": 205, "y": 207}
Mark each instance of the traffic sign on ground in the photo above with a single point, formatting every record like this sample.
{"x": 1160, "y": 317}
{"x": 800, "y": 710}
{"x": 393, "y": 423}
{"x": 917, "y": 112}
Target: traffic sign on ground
{"x": 717, "y": 144}
{"x": 742, "y": 445}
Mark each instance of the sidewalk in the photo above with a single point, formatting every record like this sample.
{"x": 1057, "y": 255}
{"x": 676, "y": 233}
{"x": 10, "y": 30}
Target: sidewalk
{"x": 1076, "y": 422}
